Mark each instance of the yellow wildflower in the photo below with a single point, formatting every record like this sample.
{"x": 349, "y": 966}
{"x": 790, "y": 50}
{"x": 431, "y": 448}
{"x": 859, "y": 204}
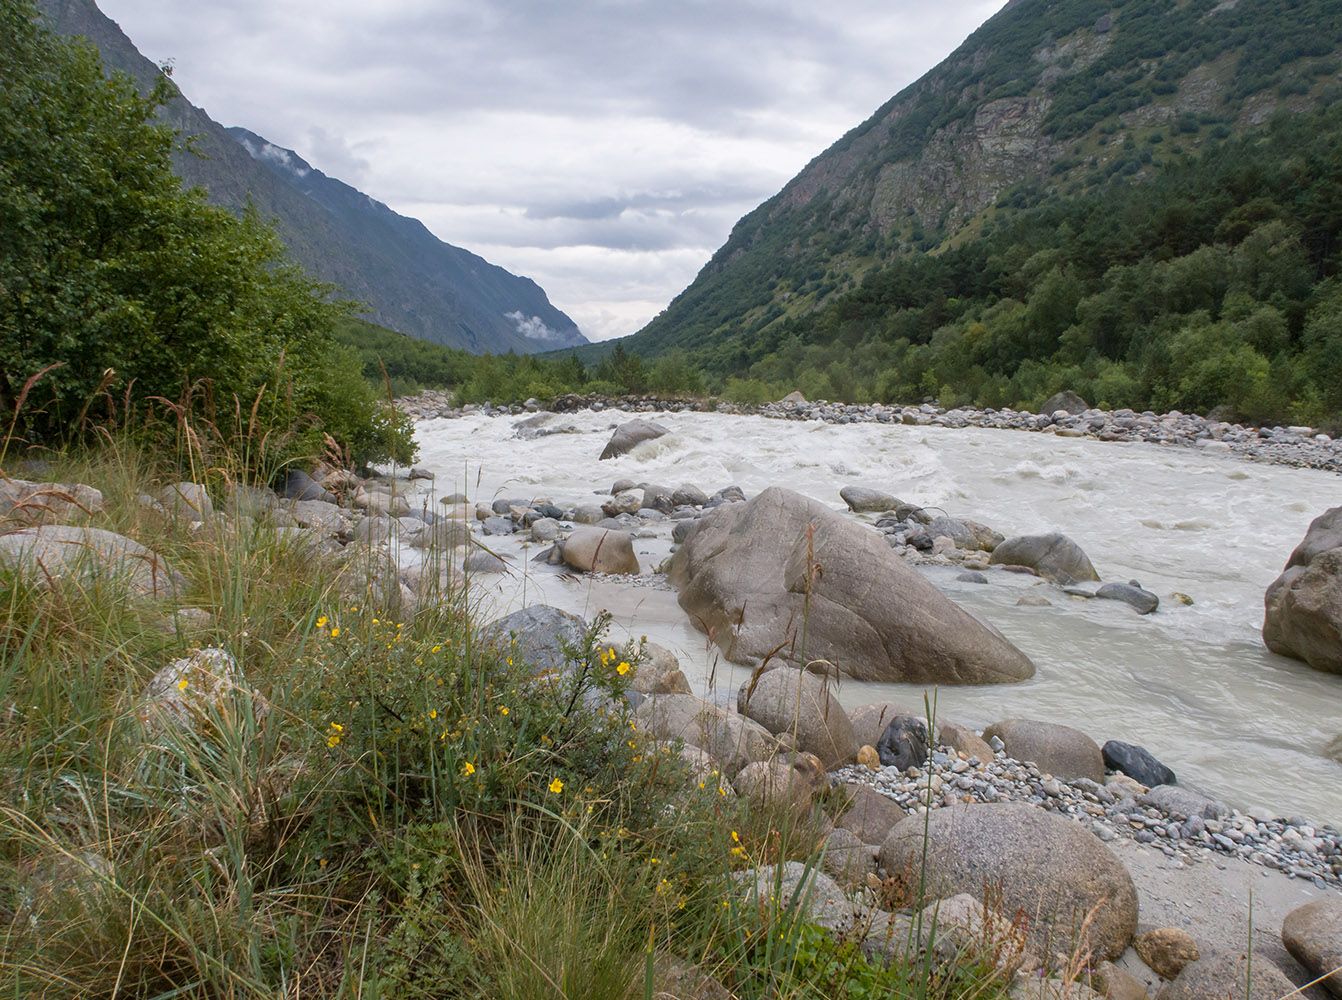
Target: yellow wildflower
{"x": 321, "y": 622}
{"x": 503, "y": 709}
{"x": 335, "y": 632}
{"x": 468, "y": 769}
{"x": 556, "y": 786}
{"x": 181, "y": 685}
{"x": 622, "y": 669}
{"x": 433, "y": 713}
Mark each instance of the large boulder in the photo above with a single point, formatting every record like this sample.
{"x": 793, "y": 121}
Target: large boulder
{"x": 1303, "y": 606}
{"x": 1229, "y": 974}
{"x": 784, "y": 575}
{"x": 804, "y": 705}
{"x": 1313, "y": 935}
{"x": 1055, "y": 557}
{"x": 50, "y": 552}
{"x": 1052, "y": 870}
{"x": 1062, "y": 751}
{"x": 599, "y": 550}
{"x": 629, "y": 434}
{"x": 869, "y": 814}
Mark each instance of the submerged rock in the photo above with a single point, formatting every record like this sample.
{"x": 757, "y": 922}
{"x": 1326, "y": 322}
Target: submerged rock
{"x": 1055, "y": 557}
{"x": 629, "y": 434}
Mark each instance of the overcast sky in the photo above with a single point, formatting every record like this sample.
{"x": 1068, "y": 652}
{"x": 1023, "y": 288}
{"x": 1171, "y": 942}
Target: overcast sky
{"x": 602, "y": 147}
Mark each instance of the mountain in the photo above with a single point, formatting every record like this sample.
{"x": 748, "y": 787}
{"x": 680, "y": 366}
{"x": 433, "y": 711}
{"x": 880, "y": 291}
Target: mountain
{"x": 411, "y": 281}
{"x": 1076, "y": 187}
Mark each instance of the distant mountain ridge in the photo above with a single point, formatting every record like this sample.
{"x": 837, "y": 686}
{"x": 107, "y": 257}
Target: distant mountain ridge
{"x": 412, "y": 281}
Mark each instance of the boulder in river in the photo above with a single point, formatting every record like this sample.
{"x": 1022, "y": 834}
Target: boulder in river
{"x": 1303, "y": 606}
{"x": 780, "y": 570}
{"x": 1131, "y": 594}
{"x": 1055, "y": 557}
{"x": 864, "y": 499}
{"x": 597, "y": 550}
{"x": 629, "y": 434}
{"x": 1052, "y": 870}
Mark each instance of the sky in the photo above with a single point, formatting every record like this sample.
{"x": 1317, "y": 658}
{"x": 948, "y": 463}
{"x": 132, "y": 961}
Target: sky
{"x": 603, "y": 148}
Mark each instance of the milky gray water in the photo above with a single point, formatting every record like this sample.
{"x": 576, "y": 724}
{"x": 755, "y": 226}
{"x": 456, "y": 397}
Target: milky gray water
{"x": 1192, "y": 684}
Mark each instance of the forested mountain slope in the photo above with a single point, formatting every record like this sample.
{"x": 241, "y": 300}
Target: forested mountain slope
{"x": 1138, "y": 200}
{"x": 411, "y": 281}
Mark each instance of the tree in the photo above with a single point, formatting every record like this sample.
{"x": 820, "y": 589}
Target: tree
{"x": 114, "y": 278}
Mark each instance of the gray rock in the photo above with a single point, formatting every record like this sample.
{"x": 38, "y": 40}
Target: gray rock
{"x": 544, "y": 529}
{"x": 1066, "y": 400}
{"x": 731, "y": 739}
{"x": 1182, "y": 803}
{"x": 682, "y": 531}
{"x": 47, "y": 553}
{"x": 188, "y": 501}
{"x": 539, "y": 635}
{"x": 1303, "y": 607}
{"x": 847, "y": 859}
{"x": 658, "y": 672}
{"x": 804, "y": 705}
{"x": 1062, "y": 751}
{"x": 1313, "y": 935}
{"x": 597, "y": 550}
{"x": 1054, "y": 871}
{"x": 869, "y": 814}
{"x": 744, "y": 577}
{"x": 630, "y": 434}
{"x": 795, "y": 886}
{"x": 1055, "y": 557}
{"x": 498, "y": 525}
{"x": 205, "y": 689}
{"x": 481, "y": 561}
{"x": 30, "y": 503}
{"x": 862, "y": 499}
{"x": 776, "y": 783}
{"x": 1141, "y": 601}
{"x": 971, "y": 576}
{"x": 963, "y": 739}
{"x": 1227, "y": 975}
{"x": 968, "y": 535}
{"x": 298, "y": 485}
{"x": 688, "y": 495}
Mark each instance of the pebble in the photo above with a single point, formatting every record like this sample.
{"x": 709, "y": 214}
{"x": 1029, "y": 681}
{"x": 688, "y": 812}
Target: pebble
{"x": 1301, "y": 849}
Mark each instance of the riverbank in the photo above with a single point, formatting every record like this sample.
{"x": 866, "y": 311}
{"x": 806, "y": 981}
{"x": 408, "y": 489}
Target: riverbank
{"x": 1296, "y": 447}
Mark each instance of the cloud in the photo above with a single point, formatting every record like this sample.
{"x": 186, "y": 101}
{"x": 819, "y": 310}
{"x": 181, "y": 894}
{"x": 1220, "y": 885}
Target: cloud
{"x": 531, "y": 326}
{"x": 563, "y": 135}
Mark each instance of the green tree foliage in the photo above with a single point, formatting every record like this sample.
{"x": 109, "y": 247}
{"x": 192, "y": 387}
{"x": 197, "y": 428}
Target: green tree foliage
{"x": 120, "y": 285}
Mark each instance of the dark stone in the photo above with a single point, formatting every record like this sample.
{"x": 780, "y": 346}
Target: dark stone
{"x": 682, "y": 531}
{"x": 1137, "y": 763}
{"x": 298, "y": 485}
{"x": 1141, "y": 601}
{"x": 904, "y": 743}
{"x": 549, "y": 510}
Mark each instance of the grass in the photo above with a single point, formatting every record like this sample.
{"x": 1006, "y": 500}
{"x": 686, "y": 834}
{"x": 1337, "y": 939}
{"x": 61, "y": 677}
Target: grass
{"x": 381, "y": 805}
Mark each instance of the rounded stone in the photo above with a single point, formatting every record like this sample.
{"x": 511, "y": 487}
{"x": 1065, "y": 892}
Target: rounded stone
{"x": 1056, "y": 873}
{"x": 1062, "y": 751}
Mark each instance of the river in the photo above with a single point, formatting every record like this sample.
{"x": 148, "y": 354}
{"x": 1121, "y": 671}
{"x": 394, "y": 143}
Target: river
{"x": 1193, "y": 684}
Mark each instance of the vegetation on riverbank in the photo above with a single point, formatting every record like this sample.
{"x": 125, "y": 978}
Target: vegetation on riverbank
{"x": 381, "y": 805}
{"x": 118, "y": 287}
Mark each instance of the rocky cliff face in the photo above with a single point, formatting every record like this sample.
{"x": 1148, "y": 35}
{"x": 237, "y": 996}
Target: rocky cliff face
{"x": 410, "y": 280}
{"x": 1053, "y": 95}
